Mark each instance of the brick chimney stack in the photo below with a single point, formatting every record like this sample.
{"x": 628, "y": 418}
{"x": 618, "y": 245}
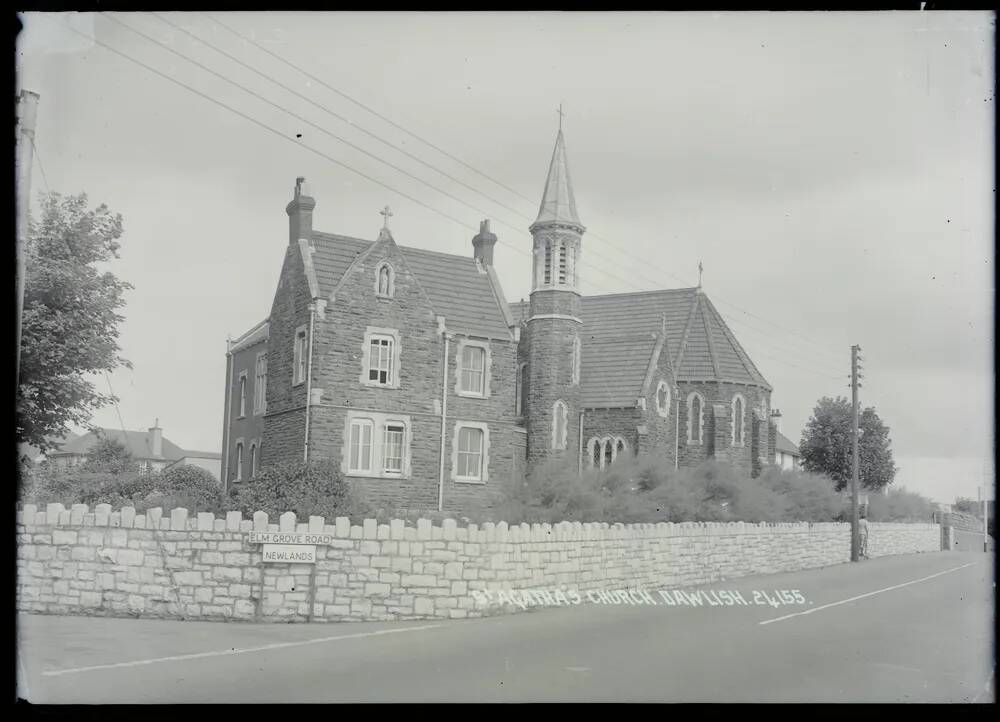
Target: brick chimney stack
{"x": 300, "y": 212}
{"x": 482, "y": 244}
{"x": 156, "y": 439}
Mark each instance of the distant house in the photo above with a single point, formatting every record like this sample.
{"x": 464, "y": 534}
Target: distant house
{"x": 35, "y": 455}
{"x": 786, "y": 453}
{"x": 211, "y": 461}
{"x": 148, "y": 448}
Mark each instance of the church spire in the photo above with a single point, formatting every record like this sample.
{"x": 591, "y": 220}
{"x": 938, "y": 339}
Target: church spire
{"x": 558, "y": 204}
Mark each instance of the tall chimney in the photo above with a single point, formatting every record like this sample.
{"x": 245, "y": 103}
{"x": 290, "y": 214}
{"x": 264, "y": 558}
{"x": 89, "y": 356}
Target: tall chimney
{"x": 156, "y": 439}
{"x": 482, "y": 244}
{"x": 300, "y": 212}
{"x": 776, "y": 419}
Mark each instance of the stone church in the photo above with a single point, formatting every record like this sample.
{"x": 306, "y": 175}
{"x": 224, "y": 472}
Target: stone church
{"x": 411, "y": 370}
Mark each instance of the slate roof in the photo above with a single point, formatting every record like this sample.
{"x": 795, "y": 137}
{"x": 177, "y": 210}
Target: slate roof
{"x": 137, "y": 442}
{"x": 457, "y": 287}
{"x": 619, "y": 328}
{"x": 783, "y": 444}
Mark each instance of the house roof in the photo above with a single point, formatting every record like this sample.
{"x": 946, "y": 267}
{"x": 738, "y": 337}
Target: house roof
{"x": 137, "y": 443}
{"x": 33, "y": 452}
{"x": 254, "y": 336}
{"x": 618, "y": 328}
{"x": 785, "y": 445}
{"x": 458, "y": 287}
{"x": 558, "y": 204}
{"x": 189, "y": 454}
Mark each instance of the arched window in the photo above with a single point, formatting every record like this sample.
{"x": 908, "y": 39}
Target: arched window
{"x": 594, "y": 453}
{"x": 620, "y": 447}
{"x": 253, "y": 460}
{"x": 695, "y": 419}
{"x": 548, "y": 264}
{"x": 739, "y": 420}
{"x": 519, "y": 394}
{"x": 609, "y": 453}
{"x": 576, "y": 360}
{"x": 559, "y": 424}
{"x": 663, "y": 399}
{"x": 239, "y": 461}
{"x": 562, "y": 264}
{"x": 384, "y": 280}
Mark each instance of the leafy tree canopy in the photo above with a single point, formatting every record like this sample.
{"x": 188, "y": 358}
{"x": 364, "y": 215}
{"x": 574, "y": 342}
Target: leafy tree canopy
{"x": 69, "y": 327}
{"x": 109, "y": 455}
{"x": 826, "y": 445}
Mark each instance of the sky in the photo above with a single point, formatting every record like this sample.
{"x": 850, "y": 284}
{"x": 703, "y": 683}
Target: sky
{"x": 832, "y": 171}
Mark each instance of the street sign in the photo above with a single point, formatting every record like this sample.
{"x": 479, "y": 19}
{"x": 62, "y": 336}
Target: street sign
{"x": 289, "y": 553}
{"x": 287, "y": 537}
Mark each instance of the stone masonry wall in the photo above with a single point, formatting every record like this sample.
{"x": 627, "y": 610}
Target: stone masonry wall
{"x": 118, "y": 563}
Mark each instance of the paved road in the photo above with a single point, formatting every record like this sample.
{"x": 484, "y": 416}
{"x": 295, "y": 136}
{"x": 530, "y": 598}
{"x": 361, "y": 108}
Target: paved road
{"x": 915, "y": 628}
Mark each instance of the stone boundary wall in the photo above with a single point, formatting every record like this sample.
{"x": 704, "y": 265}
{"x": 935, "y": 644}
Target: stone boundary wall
{"x": 176, "y": 566}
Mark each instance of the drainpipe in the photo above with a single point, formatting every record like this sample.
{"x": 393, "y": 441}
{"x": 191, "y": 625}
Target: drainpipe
{"x": 225, "y": 416}
{"x": 444, "y": 408}
{"x": 309, "y": 361}
{"x": 579, "y": 465}
{"x": 677, "y": 431}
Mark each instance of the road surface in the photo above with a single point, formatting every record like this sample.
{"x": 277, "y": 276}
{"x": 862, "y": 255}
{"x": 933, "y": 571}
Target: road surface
{"x": 916, "y": 628}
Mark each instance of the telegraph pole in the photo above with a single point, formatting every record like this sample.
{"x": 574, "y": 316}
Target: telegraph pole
{"x": 27, "y": 108}
{"x": 855, "y": 541}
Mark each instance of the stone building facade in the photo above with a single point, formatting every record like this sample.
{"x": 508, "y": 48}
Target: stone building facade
{"x": 411, "y": 371}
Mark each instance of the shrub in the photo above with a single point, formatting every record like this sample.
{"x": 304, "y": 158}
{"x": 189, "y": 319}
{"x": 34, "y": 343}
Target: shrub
{"x": 309, "y": 489}
{"x": 648, "y": 489}
{"x": 900, "y": 505}
{"x": 186, "y": 486}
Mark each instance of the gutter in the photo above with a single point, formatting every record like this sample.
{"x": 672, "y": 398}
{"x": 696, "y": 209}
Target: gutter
{"x": 312, "y": 319}
{"x": 225, "y": 417}
{"x": 444, "y": 408}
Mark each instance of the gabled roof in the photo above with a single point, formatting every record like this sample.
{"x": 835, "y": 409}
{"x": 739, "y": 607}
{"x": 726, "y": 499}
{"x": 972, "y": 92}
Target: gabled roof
{"x": 785, "y": 445}
{"x": 558, "y": 204}
{"x": 700, "y": 344}
{"x": 189, "y": 454}
{"x": 457, "y": 286}
{"x": 254, "y": 336}
{"x": 613, "y": 369}
{"x": 137, "y": 443}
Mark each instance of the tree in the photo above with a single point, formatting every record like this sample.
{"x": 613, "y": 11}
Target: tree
{"x": 968, "y": 506}
{"x": 315, "y": 488}
{"x": 826, "y": 445}
{"x": 69, "y": 326}
{"x": 109, "y": 455}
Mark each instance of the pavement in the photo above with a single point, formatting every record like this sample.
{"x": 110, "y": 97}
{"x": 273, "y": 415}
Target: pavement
{"x": 914, "y": 628}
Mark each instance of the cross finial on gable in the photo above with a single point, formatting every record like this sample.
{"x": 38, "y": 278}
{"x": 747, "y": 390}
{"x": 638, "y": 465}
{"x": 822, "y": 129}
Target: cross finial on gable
{"x": 700, "y": 269}
{"x": 386, "y": 215}
{"x": 560, "y": 111}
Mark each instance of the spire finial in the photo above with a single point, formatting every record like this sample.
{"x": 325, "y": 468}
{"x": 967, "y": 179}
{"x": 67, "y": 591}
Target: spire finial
{"x": 560, "y": 111}
{"x": 386, "y": 215}
{"x": 700, "y": 270}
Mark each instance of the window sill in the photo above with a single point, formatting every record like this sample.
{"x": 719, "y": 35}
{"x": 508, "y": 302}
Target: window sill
{"x": 471, "y": 395}
{"x": 373, "y": 385}
{"x": 382, "y": 297}
{"x": 695, "y": 443}
{"x": 297, "y": 383}
{"x": 460, "y": 480}
{"x": 375, "y": 475}
{"x": 241, "y": 416}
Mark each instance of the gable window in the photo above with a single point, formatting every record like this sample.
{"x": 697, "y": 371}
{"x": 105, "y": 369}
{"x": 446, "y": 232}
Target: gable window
{"x": 739, "y": 420}
{"x": 663, "y": 399}
{"x": 361, "y": 446}
{"x": 380, "y": 364}
{"x": 470, "y": 454}
{"x": 385, "y": 281}
{"x": 595, "y": 453}
{"x": 299, "y": 356}
{"x": 260, "y": 385}
{"x": 559, "y": 424}
{"x": 576, "y": 360}
{"x": 695, "y": 419}
{"x": 243, "y": 394}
